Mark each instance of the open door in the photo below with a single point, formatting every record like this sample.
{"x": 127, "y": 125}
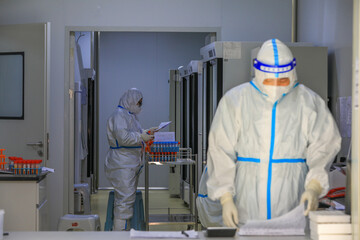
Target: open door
{"x": 24, "y": 73}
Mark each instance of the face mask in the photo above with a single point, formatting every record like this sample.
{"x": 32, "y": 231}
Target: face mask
{"x": 135, "y": 109}
{"x": 275, "y": 92}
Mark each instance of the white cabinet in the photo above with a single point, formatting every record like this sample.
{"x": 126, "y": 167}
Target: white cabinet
{"x": 25, "y": 204}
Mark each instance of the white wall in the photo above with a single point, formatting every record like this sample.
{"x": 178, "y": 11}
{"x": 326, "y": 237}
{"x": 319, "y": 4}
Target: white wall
{"x": 328, "y": 23}
{"x": 131, "y": 14}
{"x": 256, "y": 20}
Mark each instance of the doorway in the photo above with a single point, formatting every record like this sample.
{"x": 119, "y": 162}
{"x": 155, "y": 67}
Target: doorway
{"x": 121, "y": 60}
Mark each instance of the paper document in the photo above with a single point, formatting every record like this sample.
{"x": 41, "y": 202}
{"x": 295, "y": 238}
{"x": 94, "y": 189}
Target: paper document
{"x": 338, "y": 206}
{"x": 291, "y": 223}
{"x": 163, "y": 234}
{"x": 3, "y": 171}
{"x": 46, "y": 169}
{"x": 163, "y": 125}
{"x": 164, "y": 137}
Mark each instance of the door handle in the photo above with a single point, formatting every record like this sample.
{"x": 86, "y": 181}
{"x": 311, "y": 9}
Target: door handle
{"x": 38, "y": 144}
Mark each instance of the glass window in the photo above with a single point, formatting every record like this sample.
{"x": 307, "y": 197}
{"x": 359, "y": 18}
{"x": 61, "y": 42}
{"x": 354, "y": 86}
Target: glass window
{"x": 12, "y": 85}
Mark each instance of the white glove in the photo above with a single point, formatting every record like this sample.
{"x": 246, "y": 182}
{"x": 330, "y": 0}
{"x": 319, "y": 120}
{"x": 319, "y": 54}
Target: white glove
{"x": 146, "y": 137}
{"x": 229, "y": 210}
{"x": 151, "y": 130}
{"x": 311, "y": 195}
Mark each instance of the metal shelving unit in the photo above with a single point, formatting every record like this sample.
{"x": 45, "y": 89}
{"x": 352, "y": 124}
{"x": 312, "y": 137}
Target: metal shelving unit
{"x": 184, "y": 157}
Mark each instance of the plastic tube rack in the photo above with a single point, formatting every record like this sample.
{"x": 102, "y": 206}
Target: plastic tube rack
{"x": 11, "y": 162}
{"x": 163, "y": 151}
{"x": 25, "y": 167}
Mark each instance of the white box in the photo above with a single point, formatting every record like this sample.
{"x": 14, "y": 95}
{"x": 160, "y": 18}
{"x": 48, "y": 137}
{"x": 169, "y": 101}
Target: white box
{"x": 331, "y": 237}
{"x": 329, "y": 217}
{"x": 330, "y": 228}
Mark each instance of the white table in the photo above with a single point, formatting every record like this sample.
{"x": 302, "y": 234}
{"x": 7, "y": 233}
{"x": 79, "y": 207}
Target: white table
{"x": 117, "y": 236}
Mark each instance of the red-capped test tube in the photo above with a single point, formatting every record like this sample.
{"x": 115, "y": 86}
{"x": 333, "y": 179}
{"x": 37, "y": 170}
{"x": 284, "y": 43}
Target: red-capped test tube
{"x": 37, "y": 166}
{"x": 15, "y": 167}
{"x": 32, "y": 166}
{"x": 28, "y": 166}
{"x": 20, "y": 167}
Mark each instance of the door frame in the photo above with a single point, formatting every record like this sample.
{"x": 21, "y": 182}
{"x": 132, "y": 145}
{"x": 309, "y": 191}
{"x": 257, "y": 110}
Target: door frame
{"x": 355, "y": 124}
{"x": 32, "y": 210}
{"x": 69, "y": 95}
{"x": 46, "y": 91}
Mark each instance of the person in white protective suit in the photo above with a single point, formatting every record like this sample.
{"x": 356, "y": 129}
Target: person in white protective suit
{"x": 124, "y": 159}
{"x": 271, "y": 143}
{"x": 210, "y": 212}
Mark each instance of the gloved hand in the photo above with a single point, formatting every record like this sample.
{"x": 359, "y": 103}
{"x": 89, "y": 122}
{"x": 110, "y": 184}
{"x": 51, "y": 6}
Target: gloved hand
{"x": 229, "y": 210}
{"x": 146, "y": 137}
{"x": 311, "y": 195}
{"x": 151, "y": 130}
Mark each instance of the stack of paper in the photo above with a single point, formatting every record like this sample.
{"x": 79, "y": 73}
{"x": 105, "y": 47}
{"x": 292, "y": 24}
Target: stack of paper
{"x": 330, "y": 225}
{"x": 292, "y": 223}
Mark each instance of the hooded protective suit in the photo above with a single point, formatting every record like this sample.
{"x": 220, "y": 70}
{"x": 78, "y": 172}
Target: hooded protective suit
{"x": 124, "y": 159}
{"x": 209, "y": 211}
{"x": 267, "y": 141}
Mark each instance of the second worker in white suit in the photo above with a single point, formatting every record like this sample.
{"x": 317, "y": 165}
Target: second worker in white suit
{"x": 271, "y": 142}
{"x": 123, "y": 160}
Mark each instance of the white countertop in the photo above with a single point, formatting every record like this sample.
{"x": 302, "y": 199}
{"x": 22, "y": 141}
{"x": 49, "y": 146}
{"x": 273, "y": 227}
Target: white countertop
{"x": 117, "y": 236}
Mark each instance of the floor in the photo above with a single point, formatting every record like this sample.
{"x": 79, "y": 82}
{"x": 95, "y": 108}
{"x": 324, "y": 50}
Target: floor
{"x": 160, "y": 203}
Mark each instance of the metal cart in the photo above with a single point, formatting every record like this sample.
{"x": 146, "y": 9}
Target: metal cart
{"x": 184, "y": 157}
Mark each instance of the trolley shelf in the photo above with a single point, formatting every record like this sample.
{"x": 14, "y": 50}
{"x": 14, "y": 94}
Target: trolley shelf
{"x": 171, "y": 219}
{"x": 179, "y": 161}
{"x": 184, "y": 157}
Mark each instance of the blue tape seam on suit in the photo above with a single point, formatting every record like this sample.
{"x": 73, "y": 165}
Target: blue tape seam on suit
{"x": 202, "y": 195}
{"x": 124, "y": 109}
{"x": 276, "y": 55}
{"x": 118, "y": 147}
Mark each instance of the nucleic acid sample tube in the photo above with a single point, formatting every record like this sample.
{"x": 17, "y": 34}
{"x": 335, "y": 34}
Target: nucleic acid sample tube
{"x": 32, "y": 166}
{"x": 20, "y": 167}
{"x": 28, "y": 166}
{"x": 15, "y": 167}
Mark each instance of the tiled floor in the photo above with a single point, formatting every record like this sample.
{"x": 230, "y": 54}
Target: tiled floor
{"x": 99, "y": 202}
{"x": 159, "y": 201}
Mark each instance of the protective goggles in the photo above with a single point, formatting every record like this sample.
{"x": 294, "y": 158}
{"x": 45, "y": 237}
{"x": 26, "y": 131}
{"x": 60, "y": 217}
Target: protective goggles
{"x": 274, "y": 68}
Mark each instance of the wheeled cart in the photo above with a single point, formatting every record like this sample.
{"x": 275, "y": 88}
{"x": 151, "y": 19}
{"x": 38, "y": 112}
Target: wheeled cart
{"x": 183, "y": 157}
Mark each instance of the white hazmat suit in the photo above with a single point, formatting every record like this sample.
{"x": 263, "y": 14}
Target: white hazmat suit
{"x": 209, "y": 210}
{"x": 267, "y": 142}
{"x": 124, "y": 159}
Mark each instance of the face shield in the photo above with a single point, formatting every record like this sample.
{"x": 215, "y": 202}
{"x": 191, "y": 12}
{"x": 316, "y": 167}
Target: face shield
{"x": 275, "y": 72}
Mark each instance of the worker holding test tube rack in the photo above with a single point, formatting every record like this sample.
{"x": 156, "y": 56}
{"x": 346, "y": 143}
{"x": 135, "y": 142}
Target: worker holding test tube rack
{"x": 162, "y": 151}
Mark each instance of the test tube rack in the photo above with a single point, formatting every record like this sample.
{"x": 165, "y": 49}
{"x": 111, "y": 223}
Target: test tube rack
{"x": 164, "y": 151}
{"x": 20, "y": 166}
{"x": 2, "y": 159}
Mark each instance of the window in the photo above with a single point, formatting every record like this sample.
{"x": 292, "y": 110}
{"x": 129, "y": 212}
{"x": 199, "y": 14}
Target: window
{"x": 12, "y": 85}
